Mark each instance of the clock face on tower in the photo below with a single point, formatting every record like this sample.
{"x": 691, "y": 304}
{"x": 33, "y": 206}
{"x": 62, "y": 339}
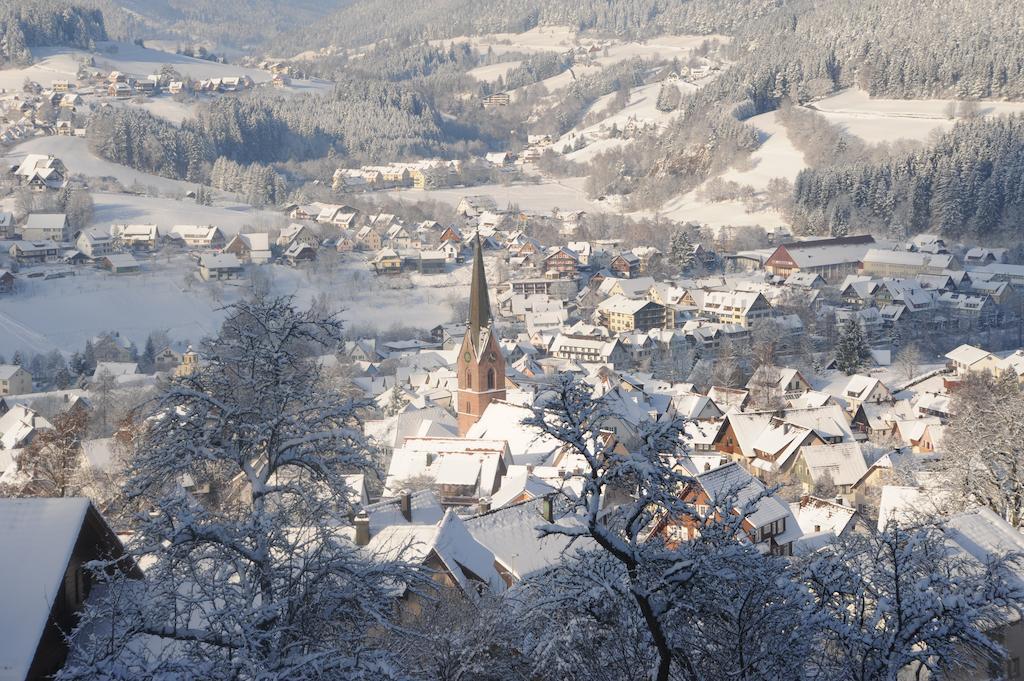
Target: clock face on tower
{"x": 467, "y": 356}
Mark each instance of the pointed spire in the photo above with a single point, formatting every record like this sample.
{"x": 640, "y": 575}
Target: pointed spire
{"x": 479, "y": 302}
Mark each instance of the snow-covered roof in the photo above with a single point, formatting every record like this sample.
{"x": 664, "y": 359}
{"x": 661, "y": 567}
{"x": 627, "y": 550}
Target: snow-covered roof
{"x": 38, "y": 537}
{"x": 821, "y": 515}
{"x": 7, "y": 371}
{"x": 733, "y": 482}
{"x": 967, "y": 354}
{"x": 511, "y": 534}
{"x": 503, "y": 421}
{"x": 18, "y": 426}
{"x": 465, "y": 558}
{"x": 517, "y": 482}
{"x": 843, "y": 463}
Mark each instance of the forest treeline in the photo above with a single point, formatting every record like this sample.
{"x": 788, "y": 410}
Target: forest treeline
{"x": 34, "y": 23}
{"x": 968, "y": 185}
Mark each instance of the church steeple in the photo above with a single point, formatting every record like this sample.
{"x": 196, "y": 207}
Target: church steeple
{"x": 481, "y": 366}
{"x": 479, "y": 301}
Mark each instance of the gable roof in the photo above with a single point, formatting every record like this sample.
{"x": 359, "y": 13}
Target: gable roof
{"x": 38, "y": 537}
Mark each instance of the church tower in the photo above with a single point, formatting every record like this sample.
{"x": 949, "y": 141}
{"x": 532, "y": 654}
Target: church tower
{"x": 481, "y": 365}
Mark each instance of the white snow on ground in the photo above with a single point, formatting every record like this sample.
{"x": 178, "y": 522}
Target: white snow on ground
{"x": 539, "y": 39}
{"x": 492, "y": 72}
{"x": 641, "y": 107}
{"x": 61, "y": 63}
{"x": 887, "y": 120}
{"x": 718, "y": 214}
{"x": 63, "y": 313}
{"x": 135, "y": 60}
{"x": 46, "y": 69}
{"x": 166, "y": 108}
{"x": 75, "y": 153}
{"x": 166, "y": 212}
{"x": 563, "y": 193}
{"x": 776, "y": 157}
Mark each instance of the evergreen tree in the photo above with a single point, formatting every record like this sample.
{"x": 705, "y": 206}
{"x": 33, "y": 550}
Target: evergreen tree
{"x": 852, "y": 350}
{"x": 680, "y": 252}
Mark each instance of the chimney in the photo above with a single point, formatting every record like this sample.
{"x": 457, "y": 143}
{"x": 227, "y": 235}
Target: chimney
{"x": 529, "y": 468}
{"x": 405, "y": 504}
{"x": 547, "y": 509}
{"x": 817, "y": 528}
{"x": 484, "y": 505}
{"x": 362, "y": 523}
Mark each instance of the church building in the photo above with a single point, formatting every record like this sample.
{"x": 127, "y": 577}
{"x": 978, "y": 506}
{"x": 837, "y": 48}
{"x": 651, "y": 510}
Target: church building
{"x": 481, "y": 365}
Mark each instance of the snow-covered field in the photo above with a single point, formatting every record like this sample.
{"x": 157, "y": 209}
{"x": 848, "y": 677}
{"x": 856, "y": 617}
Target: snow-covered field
{"x": 641, "y": 108}
{"x": 62, "y": 63}
{"x": 564, "y": 193}
{"x": 167, "y": 212}
{"x": 75, "y": 153}
{"x": 63, "y": 313}
{"x": 886, "y": 120}
{"x": 49, "y": 66}
{"x": 492, "y": 72}
{"x": 775, "y": 158}
{"x": 166, "y": 108}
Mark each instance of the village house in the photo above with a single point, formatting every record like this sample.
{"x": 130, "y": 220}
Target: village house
{"x": 620, "y": 314}
{"x": 43, "y": 226}
{"x": 167, "y": 360}
{"x": 736, "y": 307}
{"x": 94, "y": 245}
{"x": 219, "y": 266}
{"x": 387, "y": 261}
{"x": 433, "y": 262}
{"x": 463, "y": 470}
{"x": 830, "y": 466}
{"x": 47, "y": 544}
{"x": 298, "y": 253}
{"x": 252, "y": 248}
{"x": 341, "y": 216}
{"x": 625, "y": 265}
{"x": 136, "y": 237}
{"x": 298, "y": 233}
{"x": 561, "y": 262}
{"x": 7, "y": 281}
{"x": 833, "y": 258}
{"x": 35, "y": 252}
{"x": 367, "y": 238}
{"x": 41, "y": 171}
{"x": 14, "y": 380}
{"x": 769, "y": 525}
{"x": 879, "y": 262}
{"x": 199, "y": 236}
{"x": 120, "y": 263}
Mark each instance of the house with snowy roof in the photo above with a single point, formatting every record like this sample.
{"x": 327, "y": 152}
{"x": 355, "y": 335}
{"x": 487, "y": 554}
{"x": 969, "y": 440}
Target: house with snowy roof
{"x": 455, "y": 558}
{"x": 840, "y": 465}
{"x": 43, "y": 581}
{"x": 19, "y": 426}
{"x": 462, "y": 470}
{"x": 768, "y": 522}
{"x": 254, "y": 247}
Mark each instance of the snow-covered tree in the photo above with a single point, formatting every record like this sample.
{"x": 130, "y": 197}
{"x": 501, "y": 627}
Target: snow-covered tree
{"x": 852, "y": 350}
{"x": 645, "y": 484}
{"x": 680, "y": 252}
{"x": 238, "y": 475}
{"x": 983, "y": 449}
{"x": 899, "y": 600}
{"x": 51, "y": 465}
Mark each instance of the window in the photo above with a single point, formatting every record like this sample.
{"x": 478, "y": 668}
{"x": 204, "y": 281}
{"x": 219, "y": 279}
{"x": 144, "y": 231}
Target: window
{"x": 469, "y": 379}
{"x": 702, "y": 510}
{"x": 1013, "y": 668}
{"x": 490, "y": 379}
